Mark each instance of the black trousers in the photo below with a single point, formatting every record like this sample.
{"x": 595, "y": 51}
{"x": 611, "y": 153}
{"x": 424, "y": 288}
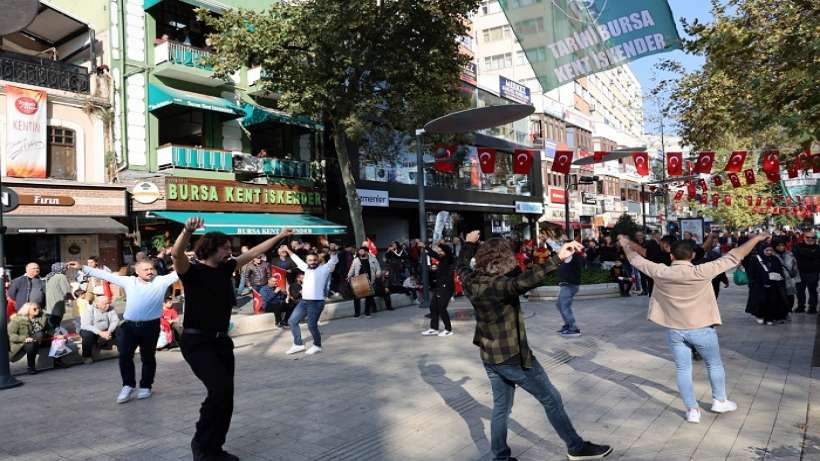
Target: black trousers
{"x": 31, "y": 353}
{"x": 369, "y": 305}
{"x": 438, "y": 308}
{"x": 212, "y": 361}
{"x": 144, "y": 335}
{"x": 90, "y": 341}
{"x": 624, "y": 287}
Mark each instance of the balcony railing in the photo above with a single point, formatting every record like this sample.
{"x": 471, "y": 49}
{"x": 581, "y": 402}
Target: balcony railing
{"x": 194, "y": 158}
{"x": 177, "y": 53}
{"x": 21, "y": 68}
{"x": 199, "y": 158}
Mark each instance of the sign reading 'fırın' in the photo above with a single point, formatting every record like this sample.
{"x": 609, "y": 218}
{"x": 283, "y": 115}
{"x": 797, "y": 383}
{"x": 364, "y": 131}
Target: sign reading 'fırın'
{"x": 214, "y": 195}
{"x": 568, "y": 39}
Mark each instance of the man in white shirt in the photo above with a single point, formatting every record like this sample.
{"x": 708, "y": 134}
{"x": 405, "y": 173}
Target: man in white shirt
{"x": 313, "y": 300}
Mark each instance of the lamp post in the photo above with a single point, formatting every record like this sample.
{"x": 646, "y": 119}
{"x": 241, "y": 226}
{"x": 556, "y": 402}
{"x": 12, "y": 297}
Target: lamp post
{"x": 464, "y": 121}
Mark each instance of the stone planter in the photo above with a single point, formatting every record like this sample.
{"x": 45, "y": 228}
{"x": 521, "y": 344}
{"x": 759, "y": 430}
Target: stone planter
{"x": 594, "y": 291}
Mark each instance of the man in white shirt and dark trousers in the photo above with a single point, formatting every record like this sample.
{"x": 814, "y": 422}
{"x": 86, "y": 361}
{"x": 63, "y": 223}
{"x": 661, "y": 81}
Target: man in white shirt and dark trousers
{"x": 313, "y": 300}
{"x": 145, "y": 294}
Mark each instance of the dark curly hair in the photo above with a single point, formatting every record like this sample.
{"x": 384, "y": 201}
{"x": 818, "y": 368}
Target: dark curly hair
{"x": 495, "y": 257}
{"x": 209, "y": 244}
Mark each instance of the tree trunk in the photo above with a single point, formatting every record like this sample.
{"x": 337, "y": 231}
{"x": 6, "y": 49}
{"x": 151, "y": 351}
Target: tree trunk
{"x": 353, "y": 203}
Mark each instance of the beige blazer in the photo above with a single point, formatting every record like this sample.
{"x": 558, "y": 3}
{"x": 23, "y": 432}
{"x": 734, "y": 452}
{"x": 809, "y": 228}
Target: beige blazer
{"x": 683, "y": 298}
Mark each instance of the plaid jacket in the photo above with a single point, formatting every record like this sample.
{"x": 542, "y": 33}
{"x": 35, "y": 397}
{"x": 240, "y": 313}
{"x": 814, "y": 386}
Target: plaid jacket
{"x": 500, "y": 332}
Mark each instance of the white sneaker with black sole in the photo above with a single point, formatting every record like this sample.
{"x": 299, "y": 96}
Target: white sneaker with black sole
{"x": 430, "y": 332}
{"x": 143, "y": 393}
{"x": 313, "y": 350}
{"x": 723, "y": 407}
{"x": 445, "y": 333}
{"x": 295, "y": 348}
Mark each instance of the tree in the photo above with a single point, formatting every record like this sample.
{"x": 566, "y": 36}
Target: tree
{"x": 760, "y": 74}
{"x": 351, "y": 64}
{"x": 625, "y": 226}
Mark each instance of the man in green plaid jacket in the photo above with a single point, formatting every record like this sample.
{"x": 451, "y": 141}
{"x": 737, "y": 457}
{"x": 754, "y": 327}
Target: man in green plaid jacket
{"x": 494, "y": 291}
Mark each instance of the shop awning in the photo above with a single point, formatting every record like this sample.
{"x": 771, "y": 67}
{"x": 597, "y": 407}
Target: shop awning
{"x": 255, "y": 115}
{"x": 161, "y": 96}
{"x": 62, "y": 225}
{"x": 210, "y": 5}
{"x": 256, "y": 223}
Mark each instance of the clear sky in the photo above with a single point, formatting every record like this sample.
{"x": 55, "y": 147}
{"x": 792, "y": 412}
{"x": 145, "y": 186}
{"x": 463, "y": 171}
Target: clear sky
{"x": 644, "y": 68}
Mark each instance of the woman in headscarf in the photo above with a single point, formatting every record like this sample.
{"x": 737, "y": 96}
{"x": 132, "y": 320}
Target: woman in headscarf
{"x": 767, "y": 294}
{"x": 790, "y": 272}
{"x": 443, "y": 289}
{"x": 58, "y": 290}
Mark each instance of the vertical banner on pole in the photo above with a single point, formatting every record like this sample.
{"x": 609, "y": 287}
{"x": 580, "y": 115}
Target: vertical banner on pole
{"x": 25, "y": 153}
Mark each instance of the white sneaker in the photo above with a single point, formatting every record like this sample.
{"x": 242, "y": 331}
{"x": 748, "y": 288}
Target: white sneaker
{"x": 430, "y": 332}
{"x": 143, "y": 393}
{"x": 693, "y": 415}
{"x": 125, "y": 394}
{"x": 295, "y": 348}
{"x": 445, "y": 333}
{"x": 313, "y": 350}
{"x": 759, "y": 321}
{"x": 723, "y": 407}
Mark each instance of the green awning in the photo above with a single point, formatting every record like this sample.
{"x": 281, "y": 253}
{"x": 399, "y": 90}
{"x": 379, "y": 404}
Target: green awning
{"x": 256, "y": 223}
{"x": 255, "y": 115}
{"x": 160, "y": 96}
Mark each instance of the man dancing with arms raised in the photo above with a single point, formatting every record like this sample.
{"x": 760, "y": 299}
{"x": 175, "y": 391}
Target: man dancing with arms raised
{"x": 313, "y": 300}
{"x": 205, "y": 345}
{"x": 501, "y": 335}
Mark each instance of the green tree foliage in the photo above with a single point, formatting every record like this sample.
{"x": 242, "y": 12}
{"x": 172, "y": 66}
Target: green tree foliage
{"x": 350, "y": 63}
{"x": 625, "y": 226}
{"x": 760, "y": 76}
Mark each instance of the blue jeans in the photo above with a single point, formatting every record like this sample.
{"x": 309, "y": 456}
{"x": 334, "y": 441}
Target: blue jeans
{"x": 313, "y": 309}
{"x": 564, "y": 304}
{"x": 503, "y": 379}
{"x": 705, "y": 341}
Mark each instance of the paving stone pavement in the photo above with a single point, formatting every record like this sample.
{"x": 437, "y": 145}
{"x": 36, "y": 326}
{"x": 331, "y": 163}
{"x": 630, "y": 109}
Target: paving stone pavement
{"x": 380, "y": 391}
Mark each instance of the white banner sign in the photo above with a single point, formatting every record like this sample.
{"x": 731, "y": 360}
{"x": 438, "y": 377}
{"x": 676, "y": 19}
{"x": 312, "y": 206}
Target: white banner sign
{"x": 369, "y": 197}
{"x": 26, "y": 124}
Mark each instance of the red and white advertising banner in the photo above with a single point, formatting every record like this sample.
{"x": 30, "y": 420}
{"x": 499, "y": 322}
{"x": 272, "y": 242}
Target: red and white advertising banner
{"x": 25, "y": 133}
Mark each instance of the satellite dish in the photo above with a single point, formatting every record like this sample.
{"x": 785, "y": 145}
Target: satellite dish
{"x": 17, "y": 14}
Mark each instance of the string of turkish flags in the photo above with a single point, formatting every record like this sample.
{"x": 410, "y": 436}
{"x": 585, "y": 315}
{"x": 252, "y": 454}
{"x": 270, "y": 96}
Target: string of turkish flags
{"x": 705, "y": 161}
{"x": 797, "y": 206}
{"x": 446, "y": 159}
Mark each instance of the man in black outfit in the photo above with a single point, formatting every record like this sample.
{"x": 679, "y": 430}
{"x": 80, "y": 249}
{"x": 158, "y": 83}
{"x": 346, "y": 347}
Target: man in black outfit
{"x": 205, "y": 345}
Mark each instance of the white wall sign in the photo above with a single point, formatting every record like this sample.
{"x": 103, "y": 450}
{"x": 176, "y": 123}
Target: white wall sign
{"x": 529, "y": 207}
{"x": 370, "y": 197}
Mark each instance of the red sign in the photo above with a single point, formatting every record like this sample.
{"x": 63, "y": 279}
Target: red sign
{"x": 558, "y": 195}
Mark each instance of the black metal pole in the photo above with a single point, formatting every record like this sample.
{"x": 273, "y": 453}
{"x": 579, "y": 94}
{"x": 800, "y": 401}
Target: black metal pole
{"x": 425, "y": 283}
{"x": 6, "y": 379}
{"x": 566, "y": 205}
{"x": 643, "y": 208}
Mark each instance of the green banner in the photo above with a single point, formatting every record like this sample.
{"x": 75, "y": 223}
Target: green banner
{"x": 565, "y": 40}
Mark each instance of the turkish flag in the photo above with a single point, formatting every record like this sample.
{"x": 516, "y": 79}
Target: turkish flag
{"x": 773, "y": 176}
{"x": 748, "y": 200}
{"x": 678, "y": 195}
{"x": 371, "y": 247}
{"x": 734, "y": 179}
{"x": 522, "y": 161}
{"x": 705, "y": 161}
{"x": 735, "y": 164}
{"x": 690, "y": 189}
{"x": 486, "y": 158}
{"x": 798, "y": 199}
{"x": 702, "y": 185}
{"x": 727, "y": 199}
{"x": 758, "y": 200}
{"x": 789, "y": 201}
{"x": 598, "y": 156}
{"x": 280, "y": 275}
{"x": 715, "y": 199}
{"x": 815, "y": 163}
{"x": 689, "y": 165}
{"x": 674, "y": 163}
{"x": 750, "y": 176}
{"x": 443, "y": 153}
{"x": 562, "y": 161}
{"x": 641, "y": 160}
{"x": 717, "y": 181}
{"x": 257, "y": 302}
{"x": 771, "y": 161}
{"x": 792, "y": 170}
{"x": 769, "y": 201}
{"x": 804, "y": 160}
{"x": 704, "y": 199}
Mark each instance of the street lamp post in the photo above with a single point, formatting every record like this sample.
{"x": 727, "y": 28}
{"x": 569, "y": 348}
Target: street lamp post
{"x": 566, "y": 204}
{"x": 6, "y": 379}
{"x": 464, "y": 121}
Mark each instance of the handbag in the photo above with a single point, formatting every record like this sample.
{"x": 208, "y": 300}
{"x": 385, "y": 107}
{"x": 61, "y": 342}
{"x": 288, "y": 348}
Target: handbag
{"x": 773, "y": 276}
{"x": 740, "y": 277}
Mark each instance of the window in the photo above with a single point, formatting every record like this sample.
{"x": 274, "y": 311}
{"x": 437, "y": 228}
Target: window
{"x": 571, "y": 137}
{"x": 498, "y": 61}
{"x": 490, "y": 8}
{"x": 495, "y": 34}
{"x": 520, "y": 58}
{"x": 531, "y": 26}
{"x": 61, "y": 160}
{"x": 522, "y": 3}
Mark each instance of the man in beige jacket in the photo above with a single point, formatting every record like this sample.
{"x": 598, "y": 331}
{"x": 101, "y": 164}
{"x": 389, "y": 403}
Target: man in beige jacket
{"x": 683, "y": 302}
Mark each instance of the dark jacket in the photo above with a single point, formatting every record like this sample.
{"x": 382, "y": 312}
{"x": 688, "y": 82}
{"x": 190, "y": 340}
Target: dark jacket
{"x": 808, "y": 257}
{"x": 273, "y": 301}
{"x": 444, "y": 282}
{"x": 19, "y": 329}
{"x": 570, "y": 272}
{"x": 24, "y": 289}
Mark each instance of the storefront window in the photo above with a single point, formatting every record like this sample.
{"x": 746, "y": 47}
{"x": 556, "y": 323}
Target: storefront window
{"x": 185, "y": 128}
{"x": 391, "y": 157}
